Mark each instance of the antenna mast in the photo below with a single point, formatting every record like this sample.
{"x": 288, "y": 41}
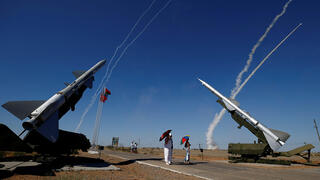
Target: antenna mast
{"x": 315, "y": 125}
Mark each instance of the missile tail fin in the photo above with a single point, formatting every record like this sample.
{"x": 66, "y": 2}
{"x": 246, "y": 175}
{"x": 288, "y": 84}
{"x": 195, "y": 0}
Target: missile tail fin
{"x": 50, "y": 128}
{"x": 22, "y": 109}
{"x": 283, "y": 136}
{"x": 274, "y": 144}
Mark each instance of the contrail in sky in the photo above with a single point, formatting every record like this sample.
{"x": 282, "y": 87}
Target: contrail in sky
{"x": 234, "y": 92}
{"x": 125, "y": 40}
{"x": 218, "y": 117}
{"x": 270, "y": 53}
{"x": 104, "y": 82}
{"x": 253, "y": 50}
{"x": 94, "y": 97}
{"x": 125, "y": 49}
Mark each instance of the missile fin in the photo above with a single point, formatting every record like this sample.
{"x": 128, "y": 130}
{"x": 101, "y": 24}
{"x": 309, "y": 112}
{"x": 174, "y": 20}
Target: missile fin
{"x": 50, "y": 128}
{"x": 89, "y": 82}
{"x": 77, "y": 74}
{"x": 22, "y": 109}
{"x": 272, "y": 142}
{"x": 283, "y": 136}
{"x": 228, "y": 106}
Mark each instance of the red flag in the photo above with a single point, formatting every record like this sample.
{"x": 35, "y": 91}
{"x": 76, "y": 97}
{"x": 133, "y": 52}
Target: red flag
{"x": 104, "y": 95}
{"x": 103, "y": 98}
{"x": 107, "y": 91}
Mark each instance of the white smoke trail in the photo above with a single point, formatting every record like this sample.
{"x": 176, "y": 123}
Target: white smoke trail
{"x": 134, "y": 39}
{"x": 126, "y": 38}
{"x": 264, "y": 59}
{"x": 253, "y": 50}
{"x": 95, "y": 95}
{"x": 118, "y": 59}
{"x": 210, "y": 142}
{"x": 125, "y": 49}
{"x": 218, "y": 117}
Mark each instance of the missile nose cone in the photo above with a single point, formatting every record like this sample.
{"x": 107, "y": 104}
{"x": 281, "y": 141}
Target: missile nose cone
{"x": 103, "y": 61}
{"x": 202, "y": 82}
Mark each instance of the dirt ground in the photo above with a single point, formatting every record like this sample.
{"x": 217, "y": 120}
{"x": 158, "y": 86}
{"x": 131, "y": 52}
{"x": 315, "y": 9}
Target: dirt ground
{"x": 130, "y": 170}
{"x": 214, "y": 155}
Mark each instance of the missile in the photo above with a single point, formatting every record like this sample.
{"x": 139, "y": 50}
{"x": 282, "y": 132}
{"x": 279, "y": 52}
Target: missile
{"x": 274, "y": 141}
{"x": 44, "y": 115}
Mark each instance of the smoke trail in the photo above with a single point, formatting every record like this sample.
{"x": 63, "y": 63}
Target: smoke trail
{"x": 94, "y": 97}
{"x": 253, "y": 50}
{"x": 125, "y": 49}
{"x": 138, "y": 35}
{"x": 218, "y": 117}
{"x": 260, "y": 64}
{"x": 118, "y": 59}
{"x": 210, "y": 142}
{"x": 126, "y": 38}
{"x": 234, "y": 92}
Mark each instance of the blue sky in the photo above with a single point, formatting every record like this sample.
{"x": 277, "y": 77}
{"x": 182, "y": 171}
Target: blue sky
{"x": 155, "y": 86}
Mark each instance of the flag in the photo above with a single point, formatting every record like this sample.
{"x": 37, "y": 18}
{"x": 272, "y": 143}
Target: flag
{"x": 104, "y": 95}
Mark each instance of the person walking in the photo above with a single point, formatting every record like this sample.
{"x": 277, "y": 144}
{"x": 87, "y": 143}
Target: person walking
{"x": 168, "y": 147}
{"x": 132, "y": 146}
{"x": 187, "y": 158}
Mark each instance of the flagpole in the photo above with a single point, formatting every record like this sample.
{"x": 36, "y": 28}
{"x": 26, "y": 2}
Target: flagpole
{"x": 98, "y": 119}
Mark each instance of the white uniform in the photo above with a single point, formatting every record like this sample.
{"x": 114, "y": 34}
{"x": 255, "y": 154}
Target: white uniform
{"x": 187, "y": 158}
{"x": 168, "y": 151}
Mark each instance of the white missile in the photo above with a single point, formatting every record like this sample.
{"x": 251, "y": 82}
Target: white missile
{"x": 44, "y": 115}
{"x": 274, "y": 141}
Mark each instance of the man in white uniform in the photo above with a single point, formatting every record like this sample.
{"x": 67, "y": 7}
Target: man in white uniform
{"x": 168, "y": 146}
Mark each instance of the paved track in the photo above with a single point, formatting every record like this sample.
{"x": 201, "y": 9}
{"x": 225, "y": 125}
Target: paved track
{"x": 223, "y": 169}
